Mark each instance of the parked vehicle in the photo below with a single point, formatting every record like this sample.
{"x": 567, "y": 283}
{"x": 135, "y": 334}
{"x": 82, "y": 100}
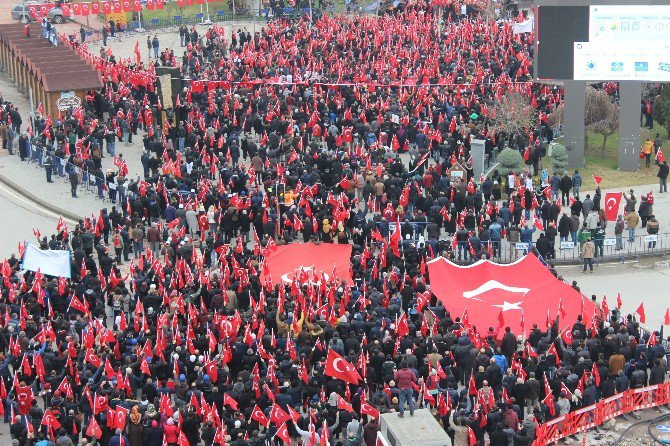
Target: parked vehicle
{"x": 21, "y": 12}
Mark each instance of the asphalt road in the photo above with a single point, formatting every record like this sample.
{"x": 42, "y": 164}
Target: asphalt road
{"x": 645, "y": 281}
{"x": 19, "y": 217}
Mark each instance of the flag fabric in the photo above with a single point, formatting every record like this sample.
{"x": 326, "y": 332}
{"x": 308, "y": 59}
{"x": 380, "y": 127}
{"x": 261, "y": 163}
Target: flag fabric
{"x": 50, "y": 262}
{"x": 640, "y": 312}
{"x": 525, "y": 287}
{"x": 660, "y": 157}
{"x": 343, "y": 405}
{"x": 338, "y": 367}
{"x": 282, "y": 263}
{"x": 612, "y": 204}
{"x": 597, "y": 179}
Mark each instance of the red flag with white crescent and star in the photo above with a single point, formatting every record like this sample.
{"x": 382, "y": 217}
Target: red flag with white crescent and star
{"x": 338, "y": 367}
{"x": 612, "y": 203}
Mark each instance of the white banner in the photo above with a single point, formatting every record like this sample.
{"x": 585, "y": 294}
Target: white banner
{"x": 51, "y": 263}
{"x": 567, "y": 245}
{"x": 523, "y": 27}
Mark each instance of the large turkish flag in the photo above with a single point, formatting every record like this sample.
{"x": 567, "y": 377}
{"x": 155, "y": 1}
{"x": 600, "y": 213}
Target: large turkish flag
{"x": 486, "y": 289}
{"x": 316, "y": 260}
{"x": 612, "y": 204}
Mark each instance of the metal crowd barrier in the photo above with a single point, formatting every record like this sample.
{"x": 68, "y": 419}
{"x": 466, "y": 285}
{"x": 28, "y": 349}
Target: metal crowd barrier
{"x": 89, "y": 183}
{"x": 503, "y": 251}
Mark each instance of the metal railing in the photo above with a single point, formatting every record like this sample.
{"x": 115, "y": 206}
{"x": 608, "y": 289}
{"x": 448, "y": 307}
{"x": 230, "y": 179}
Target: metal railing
{"x": 88, "y": 182}
{"x": 568, "y": 252}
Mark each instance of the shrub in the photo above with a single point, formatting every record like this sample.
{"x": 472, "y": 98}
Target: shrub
{"x": 559, "y": 158}
{"x": 510, "y": 160}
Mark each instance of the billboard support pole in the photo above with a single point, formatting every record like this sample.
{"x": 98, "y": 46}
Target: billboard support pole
{"x": 630, "y": 93}
{"x": 573, "y": 126}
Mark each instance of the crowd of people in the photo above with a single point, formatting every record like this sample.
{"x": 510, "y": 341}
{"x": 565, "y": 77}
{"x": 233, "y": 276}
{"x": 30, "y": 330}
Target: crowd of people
{"x": 166, "y": 334}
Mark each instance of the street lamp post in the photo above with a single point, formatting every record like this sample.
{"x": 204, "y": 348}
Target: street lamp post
{"x": 139, "y": 22}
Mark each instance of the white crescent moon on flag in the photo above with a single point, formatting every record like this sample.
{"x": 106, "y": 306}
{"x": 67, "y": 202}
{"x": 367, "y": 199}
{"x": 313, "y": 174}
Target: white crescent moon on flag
{"x": 337, "y": 369}
{"x": 288, "y": 277}
{"x": 613, "y": 200}
{"x": 493, "y": 285}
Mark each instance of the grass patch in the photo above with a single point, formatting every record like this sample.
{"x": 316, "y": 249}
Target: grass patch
{"x": 606, "y": 163}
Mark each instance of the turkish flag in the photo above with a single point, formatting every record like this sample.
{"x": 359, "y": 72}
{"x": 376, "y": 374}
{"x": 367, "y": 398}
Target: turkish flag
{"x": 65, "y": 9}
{"x": 472, "y": 438}
{"x": 640, "y": 313}
{"x": 50, "y": 420}
{"x": 137, "y": 6}
{"x": 93, "y": 429}
{"x": 525, "y": 287}
{"x": 367, "y": 409}
{"x": 283, "y": 262}
{"x": 85, "y": 9}
{"x": 160, "y": 4}
{"x": 347, "y": 135}
{"x": 278, "y": 415}
{"x": 566, "y": 335}
{"x": 338, "y": 367}
{"x": 212, "y": 370}
{"x": 24, "y": 398}
{"x": 150, "y": 5}
{"x": 343, "y": 405}
{"x": 597, "y": 179}
{"x": 92, "y": 358}
{"x": 229, "y": 401}
{"x": 118, "y": 7}
{"x": 595, "y": 374}
{"x": 258, "y": 415}
{"x": 76, "y": 8}
{"x": 95, "y": 8}
{"x": 182, "y": 440}
{"x": 612, "y": 203}
{"x": 127, "y": 6}
{"x": 659, "y": 156}
{"x": 282, "y": 432}
{"x": 120, "y": 417}
{"x": 106, "y": 7}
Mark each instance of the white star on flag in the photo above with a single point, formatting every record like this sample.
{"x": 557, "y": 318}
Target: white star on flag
{"x": 506, "y": 306}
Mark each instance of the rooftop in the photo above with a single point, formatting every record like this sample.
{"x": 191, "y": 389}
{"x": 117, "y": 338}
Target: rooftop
{"x": 59, "y": 68}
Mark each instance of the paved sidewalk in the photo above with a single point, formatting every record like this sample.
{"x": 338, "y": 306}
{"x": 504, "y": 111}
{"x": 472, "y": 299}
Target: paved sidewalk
{"x": 31, "y": 178}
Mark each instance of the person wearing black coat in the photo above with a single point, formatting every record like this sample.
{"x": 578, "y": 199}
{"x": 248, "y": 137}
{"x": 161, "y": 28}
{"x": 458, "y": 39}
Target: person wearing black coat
{"x": 566, "y": 187}
{"x": 542, "y": 245}
{"x": 153, "y": 434}
{"x": 656, "y": 374}
{"x": 499, "y": 437}
{"x": 522, "y": 438}
{"x": 564, "y": 227}
{"x": 608, "y": 387}
{"x": 590, "y": 394}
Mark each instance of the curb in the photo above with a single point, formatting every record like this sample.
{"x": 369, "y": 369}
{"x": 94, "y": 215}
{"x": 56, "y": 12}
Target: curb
{"x": 46, "y": 205}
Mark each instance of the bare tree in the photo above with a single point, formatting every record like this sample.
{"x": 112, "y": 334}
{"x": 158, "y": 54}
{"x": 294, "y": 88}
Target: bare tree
{"x": 514, "y": 115}
{"x": 555, "y": 118}
{"x": 601, "y": 114}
